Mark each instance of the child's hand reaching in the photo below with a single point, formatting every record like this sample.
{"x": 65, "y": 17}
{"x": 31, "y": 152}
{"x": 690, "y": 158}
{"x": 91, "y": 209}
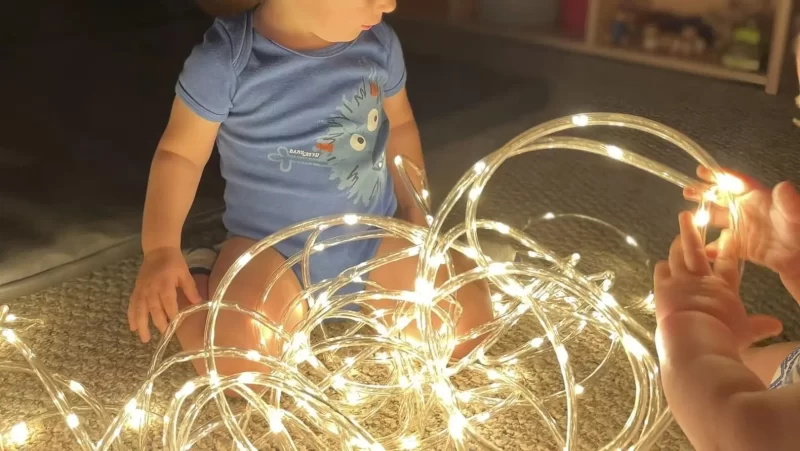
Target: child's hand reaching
{"x": 702, "y": 330}
{"x": 163, "y": 272}
{"x": 769, "y": 232}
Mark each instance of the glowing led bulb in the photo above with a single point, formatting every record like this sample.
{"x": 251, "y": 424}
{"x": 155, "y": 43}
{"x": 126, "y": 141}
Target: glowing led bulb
{"x": 136, "y": 419}
{"x": 730, "y": 184}
{"x": 339, "y": 382}
{"x": 319, "y": 247}
{"x": 608, "y": 300}
{"x": 213, "y": 377}
{"x": 424, "y": 291}
{"x": 408, "y": 443}
{"x": 350, "y": 219}
{"x": 398, "y": 160}
{"x": 76, "y": 387}
{"x": 442, "y": 390}
{"x": 72, "y": 421}
{"x": 701, "y": 218}
{"x": 275, "y": 419}
{"x": 549, "y": 216}
{"x": 483, "y": 417}
{"x": 579, "y": 389}
{"x": 353, "y": 397}
{"x": 471, "y": 252}
{"x": 561, "y": 353}
{"x": 10, "y": 318}
{"x": 9, "y": 335}
{"x": 247, "y": 378}
{"x": 631, "y": 240}
{"x": 515, "y": 289}
{"x": 403, "y": 322}
{"x": 614, "y": 152}
{"x": 19, "y": 434}
{"x": 464, "y": 396}
{"x": 502, "y": 228}
{"x": 245, "y": 258}
{"x": 253, "y": 355}
{"x": 497, "y": 268}
{"x": 359, "y": 442}
{"x": 130, "y": 406}
{"x": 456, "y": 425}
{"x": 634, "y": 346}
{"x": 187, "y": 389}
{"x": 581, "y": 120}
{"x": 425, "y": 194}
{"x": 302, "y": 355}
{"x": 500, "y": 308}
{"x": 475, "y": 193}
{"x": 479, "y": 167}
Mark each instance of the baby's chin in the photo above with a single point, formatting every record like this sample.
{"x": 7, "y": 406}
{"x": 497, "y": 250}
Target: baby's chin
{"x": 343, "y": 37}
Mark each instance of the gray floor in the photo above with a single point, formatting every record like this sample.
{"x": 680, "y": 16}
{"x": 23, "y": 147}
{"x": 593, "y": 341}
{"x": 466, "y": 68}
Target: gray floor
{"x": 484, "y": 94}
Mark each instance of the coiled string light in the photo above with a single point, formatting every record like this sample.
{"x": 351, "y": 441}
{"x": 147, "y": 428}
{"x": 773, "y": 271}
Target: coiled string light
{"x": 315, "y": 393}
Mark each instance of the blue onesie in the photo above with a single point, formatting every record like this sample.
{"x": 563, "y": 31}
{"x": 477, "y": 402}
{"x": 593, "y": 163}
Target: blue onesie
{"x": 302, "y": 134}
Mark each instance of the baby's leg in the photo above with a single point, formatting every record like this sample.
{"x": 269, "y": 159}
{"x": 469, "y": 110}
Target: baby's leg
{"x": 401, "y": 275}
{"x": 234, "y": 329}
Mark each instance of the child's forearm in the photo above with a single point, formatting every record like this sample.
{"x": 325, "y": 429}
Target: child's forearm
{"x": 405, "y": 141}
{"x": 170, "y": 193}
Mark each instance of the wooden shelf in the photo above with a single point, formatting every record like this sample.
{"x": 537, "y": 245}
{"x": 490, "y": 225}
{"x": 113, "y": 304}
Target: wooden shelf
{"x": 599, "y": 15}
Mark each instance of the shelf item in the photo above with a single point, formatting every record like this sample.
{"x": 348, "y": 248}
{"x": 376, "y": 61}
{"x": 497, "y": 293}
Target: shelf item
{"x": 596, "y": 40}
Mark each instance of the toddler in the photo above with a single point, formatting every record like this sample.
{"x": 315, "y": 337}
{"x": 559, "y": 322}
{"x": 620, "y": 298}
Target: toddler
{"x": 725, "y": 394}
{"x": 306, "y": 102}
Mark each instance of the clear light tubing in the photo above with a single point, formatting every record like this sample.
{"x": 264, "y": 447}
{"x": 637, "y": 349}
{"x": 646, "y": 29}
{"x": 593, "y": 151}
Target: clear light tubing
{"x": 315, "y": 394}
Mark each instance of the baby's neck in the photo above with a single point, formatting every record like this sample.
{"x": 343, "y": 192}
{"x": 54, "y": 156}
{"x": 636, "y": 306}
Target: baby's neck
{"x": 283, "y": 26}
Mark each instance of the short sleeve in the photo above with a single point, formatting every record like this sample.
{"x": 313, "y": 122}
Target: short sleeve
{"x": 207, "y": 82}
{"x": 396, "y": 64}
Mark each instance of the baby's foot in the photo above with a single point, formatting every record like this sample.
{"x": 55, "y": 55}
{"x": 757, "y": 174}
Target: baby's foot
{"x": 201, "y": 262}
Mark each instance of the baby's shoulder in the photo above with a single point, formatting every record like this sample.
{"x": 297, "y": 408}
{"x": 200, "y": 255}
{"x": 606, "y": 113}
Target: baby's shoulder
{"x": 226, "y": 40}
{"x": 384, "y": 34}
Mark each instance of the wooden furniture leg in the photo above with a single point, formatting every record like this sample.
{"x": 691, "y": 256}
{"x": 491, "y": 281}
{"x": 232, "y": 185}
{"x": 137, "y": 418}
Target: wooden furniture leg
{"x": 780, "y": 44}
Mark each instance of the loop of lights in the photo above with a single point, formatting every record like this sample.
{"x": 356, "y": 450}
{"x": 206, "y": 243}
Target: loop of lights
{"x": 310, "y": 394}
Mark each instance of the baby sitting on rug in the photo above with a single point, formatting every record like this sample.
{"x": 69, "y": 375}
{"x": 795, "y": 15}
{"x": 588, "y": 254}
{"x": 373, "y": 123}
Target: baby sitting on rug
{"x": 306, "y": 102}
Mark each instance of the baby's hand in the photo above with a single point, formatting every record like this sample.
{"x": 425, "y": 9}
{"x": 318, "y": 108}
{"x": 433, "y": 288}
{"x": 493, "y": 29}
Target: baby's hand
{"x": 769, "y": 232}
{"x": 163, "y": 271}
{"x": 702, "y": 329}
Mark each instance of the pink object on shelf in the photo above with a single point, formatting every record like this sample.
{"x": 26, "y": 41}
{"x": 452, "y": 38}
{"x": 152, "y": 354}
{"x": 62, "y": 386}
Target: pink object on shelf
{"x": 573, "y": 16}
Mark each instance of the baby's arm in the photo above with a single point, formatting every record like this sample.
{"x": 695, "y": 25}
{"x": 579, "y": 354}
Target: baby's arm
{"x": 702, "y": 328}
{"x": 404, "y": 140}
{"x": 175, "y": 173}
{"x": 182, "y": 153}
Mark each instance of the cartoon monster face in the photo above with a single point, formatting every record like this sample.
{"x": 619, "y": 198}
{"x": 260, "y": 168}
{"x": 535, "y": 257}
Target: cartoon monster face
{"x": 356, "y": 143}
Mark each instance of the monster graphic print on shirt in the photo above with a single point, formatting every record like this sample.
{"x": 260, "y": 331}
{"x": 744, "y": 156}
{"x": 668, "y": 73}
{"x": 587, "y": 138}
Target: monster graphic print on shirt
{"x": 355, "y": 143}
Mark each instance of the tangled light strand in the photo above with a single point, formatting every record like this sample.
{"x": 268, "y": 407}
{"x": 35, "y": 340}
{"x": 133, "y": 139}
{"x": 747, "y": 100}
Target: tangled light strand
{"x": 313, "y": 393}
